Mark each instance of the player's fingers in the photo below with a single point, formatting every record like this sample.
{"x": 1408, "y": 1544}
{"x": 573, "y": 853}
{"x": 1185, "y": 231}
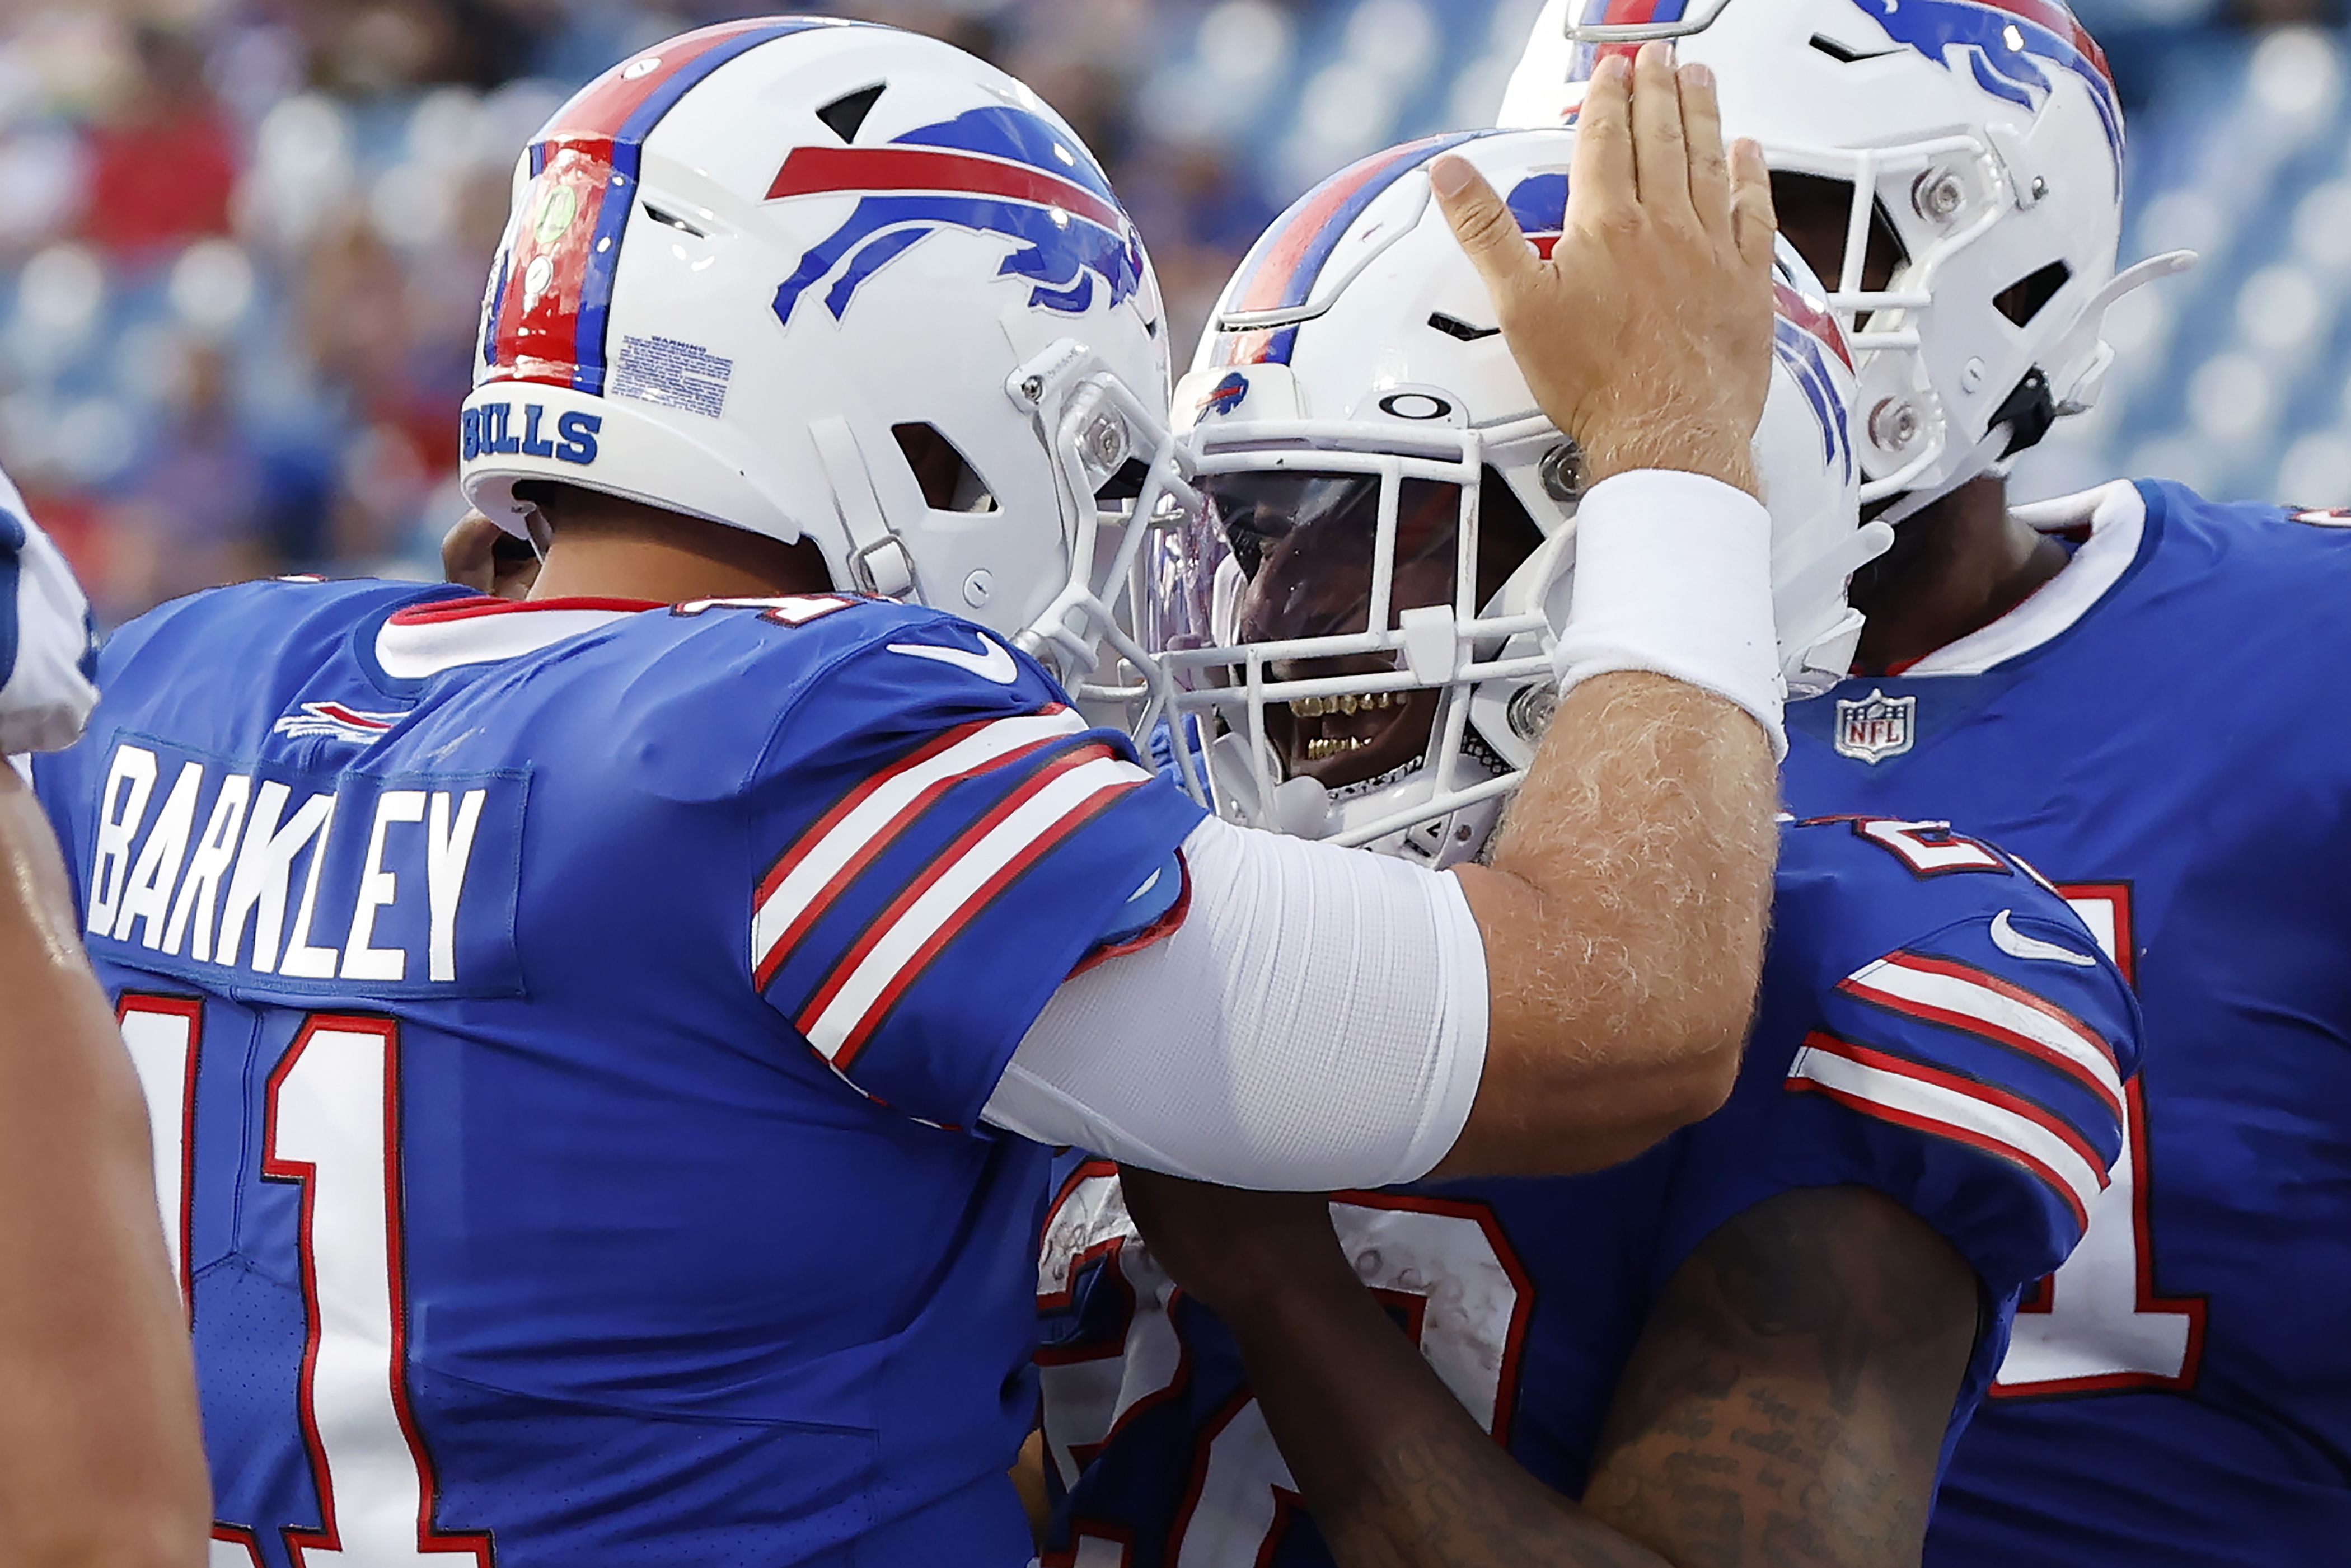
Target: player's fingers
{"x": 1497, "y": 245}
{"x": 1753, "y": 221}
{"x": 1660, "y": 156}
{"x": 1710, "y": 173}
{"x": 1603, "y": 176}
{"x": 467, "y": 553}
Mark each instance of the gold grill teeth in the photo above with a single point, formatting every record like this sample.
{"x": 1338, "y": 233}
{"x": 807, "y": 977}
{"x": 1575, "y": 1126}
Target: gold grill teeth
{"x": 1334, "y": 747}
{"x": 1322, "y": 706}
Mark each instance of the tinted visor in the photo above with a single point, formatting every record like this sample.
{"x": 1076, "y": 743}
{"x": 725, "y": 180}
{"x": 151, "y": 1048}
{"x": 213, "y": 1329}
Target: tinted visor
{"x": 1307, "y": 550}
{"x": 1307, "y": 544}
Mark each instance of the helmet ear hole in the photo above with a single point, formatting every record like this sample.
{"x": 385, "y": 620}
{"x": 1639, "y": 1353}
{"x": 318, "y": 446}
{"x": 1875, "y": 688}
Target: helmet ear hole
{"x": 845, "y": 116}
{"x": 2022, "y": 300}
{"x": 948, "y": 480}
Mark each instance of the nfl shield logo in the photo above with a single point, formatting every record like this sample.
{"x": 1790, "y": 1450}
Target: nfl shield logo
{"x": 1876, "y": 727}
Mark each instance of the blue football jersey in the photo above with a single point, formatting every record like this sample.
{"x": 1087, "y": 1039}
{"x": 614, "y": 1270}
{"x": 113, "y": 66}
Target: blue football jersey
{"x": 1933, "y": 1025}
{"x": 566, "y": 1027}
{"x": 2161, "y": 730}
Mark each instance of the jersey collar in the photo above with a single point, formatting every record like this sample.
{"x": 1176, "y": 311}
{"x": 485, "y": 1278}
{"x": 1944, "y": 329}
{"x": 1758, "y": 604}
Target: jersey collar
{"x": 426, "y": 640}
{"x": 2116, "y": 516}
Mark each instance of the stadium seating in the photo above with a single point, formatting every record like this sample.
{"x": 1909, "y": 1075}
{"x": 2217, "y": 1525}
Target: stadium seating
{"x": 2231, "y": 377}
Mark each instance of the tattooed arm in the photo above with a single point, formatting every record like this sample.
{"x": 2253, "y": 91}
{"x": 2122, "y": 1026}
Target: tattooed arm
{"x": 1785, "y": 1403}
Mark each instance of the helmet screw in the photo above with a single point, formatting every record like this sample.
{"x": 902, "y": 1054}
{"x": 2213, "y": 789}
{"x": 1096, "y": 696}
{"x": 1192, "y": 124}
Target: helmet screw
{"x": 2040, "y": 187}
{"x": 977, "y": 588}
{"x": 1937, "y": 195}
{"x": 1894, "y": 423}
{"x": 1531, "y": 712}
{"x": 1033, "y": 388}
{"x": 1561, "y": 473}
{"x": 1971, "y": 375}
{"x": 1106, "y": 442}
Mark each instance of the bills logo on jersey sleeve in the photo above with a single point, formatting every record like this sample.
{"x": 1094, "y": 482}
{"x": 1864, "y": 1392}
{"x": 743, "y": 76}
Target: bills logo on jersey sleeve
{"x": 1000, "y": 171}
{"x": 2323, "y": 517}
{"x": 1874, "y": 728}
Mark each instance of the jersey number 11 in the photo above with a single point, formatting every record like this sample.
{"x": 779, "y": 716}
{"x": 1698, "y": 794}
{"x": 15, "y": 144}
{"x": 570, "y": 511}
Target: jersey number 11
{"x": 332, "y": 1125}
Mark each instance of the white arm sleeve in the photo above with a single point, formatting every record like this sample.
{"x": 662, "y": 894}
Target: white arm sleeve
{"x": 1317, "y": 1022}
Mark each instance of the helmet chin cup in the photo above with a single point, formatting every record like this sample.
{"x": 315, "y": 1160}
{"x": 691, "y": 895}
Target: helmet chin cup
{"x": 1300, "y": 807}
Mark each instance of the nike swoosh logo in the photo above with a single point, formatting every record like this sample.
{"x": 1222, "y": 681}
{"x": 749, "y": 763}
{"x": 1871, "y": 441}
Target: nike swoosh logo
{"x": 2016, "y": 944}
{"x": 996, "y": 664}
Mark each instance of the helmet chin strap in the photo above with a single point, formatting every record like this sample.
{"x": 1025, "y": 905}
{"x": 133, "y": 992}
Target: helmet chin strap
{"x": 2034, "y": 407}
{"x": 1989, "y": 453}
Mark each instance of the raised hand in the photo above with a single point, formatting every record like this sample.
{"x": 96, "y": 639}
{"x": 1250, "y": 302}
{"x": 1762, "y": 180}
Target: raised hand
{"x": 1647, "y": 335}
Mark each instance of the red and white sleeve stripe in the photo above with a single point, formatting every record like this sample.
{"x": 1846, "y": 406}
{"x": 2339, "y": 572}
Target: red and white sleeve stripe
{"x": 829, "y": 857}
{"x": 905, "y": 939}
{"x": 1946, "y": 1104}
{"x": 1976, "y": 1001}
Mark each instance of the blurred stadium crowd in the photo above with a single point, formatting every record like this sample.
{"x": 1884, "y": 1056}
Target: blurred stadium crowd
{"x": 242, "y": 242}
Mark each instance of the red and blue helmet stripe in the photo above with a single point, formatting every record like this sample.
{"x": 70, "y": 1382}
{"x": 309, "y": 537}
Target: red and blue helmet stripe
{"x": 1617, "y": 13}
{"x": 553, "y": 297}
{"x": 1283, "y": 268}
{"x": 1803, "y": 336}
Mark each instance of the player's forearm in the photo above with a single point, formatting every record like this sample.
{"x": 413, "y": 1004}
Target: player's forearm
{"x": 101, "y": 1458}
{"x": 1623, "y": 919}
{"x": 1395, "y": 1472}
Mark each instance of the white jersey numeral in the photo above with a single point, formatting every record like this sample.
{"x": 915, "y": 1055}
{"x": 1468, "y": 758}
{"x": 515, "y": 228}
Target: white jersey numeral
{"x": 1443, "y": 1264}
{"x": 2098, "y": 1324}
{"x": 331, "y": 1124}
{"x": 164, "y": 1034}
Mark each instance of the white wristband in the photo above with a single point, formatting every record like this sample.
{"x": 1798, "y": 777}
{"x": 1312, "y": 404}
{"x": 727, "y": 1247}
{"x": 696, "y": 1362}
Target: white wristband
{"x": 1673, "y": 576}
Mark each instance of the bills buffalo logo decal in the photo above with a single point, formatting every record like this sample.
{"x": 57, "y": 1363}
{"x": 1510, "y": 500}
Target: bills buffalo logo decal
{"x": 1227, "y": 395}
{"x": 1000, "y": 171}
{"x": 2004, "y": 45}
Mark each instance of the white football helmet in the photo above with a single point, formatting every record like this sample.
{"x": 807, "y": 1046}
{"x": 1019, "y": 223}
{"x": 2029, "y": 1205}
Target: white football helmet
{"x": 1353, "y": 631}
{"x": 835, "y": 282}
{"x": 1982, "y": 137}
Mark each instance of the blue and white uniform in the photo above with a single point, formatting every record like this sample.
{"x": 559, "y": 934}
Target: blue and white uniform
{"x": 567, "y": 1028}
{"x": 48, "y": 645}
{"x": 1935, "y": 1024}
{"x": 2162, "y": 731}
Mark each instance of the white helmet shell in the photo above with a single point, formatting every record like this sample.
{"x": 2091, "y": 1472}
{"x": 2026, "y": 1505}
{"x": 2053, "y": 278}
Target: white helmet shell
{"x": 1354, "y": 377}
{"x": 745, "y": 263}
{"x": 1988, "y": 135}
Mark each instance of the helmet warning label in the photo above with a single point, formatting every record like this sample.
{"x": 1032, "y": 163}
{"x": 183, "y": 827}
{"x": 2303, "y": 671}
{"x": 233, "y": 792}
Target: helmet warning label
{"x": 673, "y": 374}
